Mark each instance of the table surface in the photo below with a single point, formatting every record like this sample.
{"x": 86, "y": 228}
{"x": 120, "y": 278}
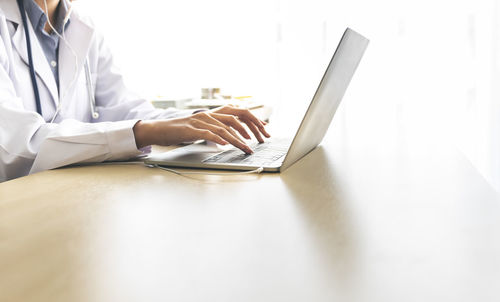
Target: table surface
{"x": 372, "y": 214}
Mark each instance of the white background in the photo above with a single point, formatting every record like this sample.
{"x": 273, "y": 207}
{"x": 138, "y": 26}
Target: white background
{"x": 435, "y": 63}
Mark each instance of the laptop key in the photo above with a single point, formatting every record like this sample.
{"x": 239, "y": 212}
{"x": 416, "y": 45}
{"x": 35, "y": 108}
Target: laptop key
{"x": 264, "y": 154}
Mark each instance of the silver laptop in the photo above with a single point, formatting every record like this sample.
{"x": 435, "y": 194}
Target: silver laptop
{"x": 277, "y": 155}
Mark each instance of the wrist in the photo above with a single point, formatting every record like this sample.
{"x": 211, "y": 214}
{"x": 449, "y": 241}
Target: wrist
{"x": 142, "y": 134}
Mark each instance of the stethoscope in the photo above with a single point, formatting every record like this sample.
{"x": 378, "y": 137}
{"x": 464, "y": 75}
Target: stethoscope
{"x": 90, "y": 87}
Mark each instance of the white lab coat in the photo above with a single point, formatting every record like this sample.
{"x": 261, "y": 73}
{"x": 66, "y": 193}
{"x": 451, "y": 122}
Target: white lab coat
{"x": 29, "y": 142}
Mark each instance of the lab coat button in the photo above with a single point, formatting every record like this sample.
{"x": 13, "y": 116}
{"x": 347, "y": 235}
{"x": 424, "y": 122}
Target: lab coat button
{"x": 53, "y": 63}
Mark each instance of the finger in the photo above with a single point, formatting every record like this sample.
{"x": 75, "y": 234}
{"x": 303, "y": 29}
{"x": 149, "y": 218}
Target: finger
{"x": 214, "y": 121}
{"x": 232, "y": 121}
{"x": 254, "y": 130}
{"x": 244, "y": 114}
{"x": 209, "y": 136}
{"x": 247, "y": 115}
{"x": 224, "y": 134}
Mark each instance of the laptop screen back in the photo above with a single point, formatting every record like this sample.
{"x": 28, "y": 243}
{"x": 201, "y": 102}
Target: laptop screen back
{"x": 328, "y": 96}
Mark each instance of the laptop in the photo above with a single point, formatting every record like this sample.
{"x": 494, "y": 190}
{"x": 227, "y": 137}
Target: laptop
{"x": 276, "y": 155}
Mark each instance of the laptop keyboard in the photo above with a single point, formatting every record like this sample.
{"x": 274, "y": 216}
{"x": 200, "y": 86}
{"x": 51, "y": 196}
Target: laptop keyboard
{"x": 264, "y": 154}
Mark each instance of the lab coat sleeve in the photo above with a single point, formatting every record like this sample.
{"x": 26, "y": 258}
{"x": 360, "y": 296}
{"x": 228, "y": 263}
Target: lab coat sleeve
{"x": 114, "y": 101}
{"x": 28, "y": 144}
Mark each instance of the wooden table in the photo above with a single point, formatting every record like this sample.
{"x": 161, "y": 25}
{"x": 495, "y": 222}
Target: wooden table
{"x": 370, "y": 215}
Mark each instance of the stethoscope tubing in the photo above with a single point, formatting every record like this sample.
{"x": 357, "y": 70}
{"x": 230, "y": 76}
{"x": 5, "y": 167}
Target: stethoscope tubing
{"x": 30, "y": 57}
{"x": 90, "y": 86}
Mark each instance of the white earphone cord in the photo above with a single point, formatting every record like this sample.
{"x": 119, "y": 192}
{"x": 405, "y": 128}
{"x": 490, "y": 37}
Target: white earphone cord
{"x": 112, "y": 163}
{"x": 63, "y": 38}
{"x": 257, "y": 171}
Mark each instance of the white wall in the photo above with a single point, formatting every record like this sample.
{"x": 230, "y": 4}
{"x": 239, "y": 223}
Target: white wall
{"x": 437, "y": 59}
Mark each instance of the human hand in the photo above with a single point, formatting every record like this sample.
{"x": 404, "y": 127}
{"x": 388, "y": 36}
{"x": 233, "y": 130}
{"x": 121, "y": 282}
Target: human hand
{"x": 229, "y": 113}
{"x": 220, "y": 125}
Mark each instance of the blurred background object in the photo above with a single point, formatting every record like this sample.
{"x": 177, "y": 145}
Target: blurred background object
{"x": 210, "y": 93}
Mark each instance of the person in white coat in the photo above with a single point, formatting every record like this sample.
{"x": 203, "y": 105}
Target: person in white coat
{"x": 79, "y": 119}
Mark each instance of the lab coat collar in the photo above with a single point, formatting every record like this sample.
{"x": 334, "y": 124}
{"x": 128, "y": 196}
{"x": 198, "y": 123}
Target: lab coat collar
{"x": 79, "y": 35}
{"x": 11, "y": 10}
{"x": 40, "y": 63}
